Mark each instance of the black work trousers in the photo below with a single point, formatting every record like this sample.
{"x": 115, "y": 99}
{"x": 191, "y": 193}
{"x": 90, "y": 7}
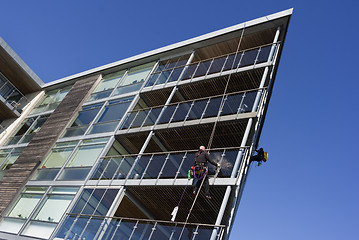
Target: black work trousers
{"x": 205, "y": 185}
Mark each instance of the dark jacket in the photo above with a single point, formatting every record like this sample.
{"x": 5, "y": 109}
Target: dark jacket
{"x": 260, "y": 153}
{"x": 203, "y": 157}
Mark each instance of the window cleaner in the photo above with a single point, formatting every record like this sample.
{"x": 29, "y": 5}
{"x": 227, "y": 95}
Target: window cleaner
{"x": 260, "y": 157}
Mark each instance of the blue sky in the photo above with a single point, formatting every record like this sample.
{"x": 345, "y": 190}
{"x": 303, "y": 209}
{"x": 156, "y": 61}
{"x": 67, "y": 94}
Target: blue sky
{"x": 309, "y": 188}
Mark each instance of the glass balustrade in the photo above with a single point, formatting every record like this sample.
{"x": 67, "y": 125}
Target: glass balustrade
{"x": 234, "y": 103}
{"x": 211, "y": 66}
{"x": 81, "y": 226}
{"x": 160, "y": 165}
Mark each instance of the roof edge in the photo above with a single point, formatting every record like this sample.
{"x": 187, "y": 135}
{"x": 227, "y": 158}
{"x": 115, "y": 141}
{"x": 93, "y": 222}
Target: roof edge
{"x": 21, "y": 63}
{"x": 203, "y": 37}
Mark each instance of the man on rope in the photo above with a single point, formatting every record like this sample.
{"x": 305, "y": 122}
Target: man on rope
{"x": 260, "y": 157}
{"x": 200, "y": 170}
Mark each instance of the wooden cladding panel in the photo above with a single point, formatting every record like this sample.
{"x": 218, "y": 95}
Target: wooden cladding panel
{"x": 19, "y": 173}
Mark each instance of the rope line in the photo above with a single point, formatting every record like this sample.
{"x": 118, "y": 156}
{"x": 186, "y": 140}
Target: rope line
{"x": 189, "y": 213}
{"x": 213, "y": 130}
{"x": 225, "y": 90}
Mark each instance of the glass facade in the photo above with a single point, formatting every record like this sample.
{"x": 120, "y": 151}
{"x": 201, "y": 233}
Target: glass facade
{"x": 130, "y": 146}
{"x": 38, "y": 210}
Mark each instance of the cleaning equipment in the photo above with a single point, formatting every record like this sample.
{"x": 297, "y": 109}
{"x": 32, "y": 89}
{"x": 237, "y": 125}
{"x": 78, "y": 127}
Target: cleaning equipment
{"x": 265, "y": 156}
{"x": 200, "y": 170}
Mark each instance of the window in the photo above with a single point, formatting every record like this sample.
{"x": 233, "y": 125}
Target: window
{"x": 54, "y": 161}
{"x": 51, "y": 100}
{"x": 82, "y": 159}
{"x": 83, "y": 120}
{"x": 91, "y": 202}
{"x": 106, "y": 86}
{"x": 28, "y": 130}
{"x": 40, "y": 209}
{"x": 168, "y": 71}
{"x": 134, "y": 79}
{"x": 111, "y": 115}
{"x": 7, "y": 159}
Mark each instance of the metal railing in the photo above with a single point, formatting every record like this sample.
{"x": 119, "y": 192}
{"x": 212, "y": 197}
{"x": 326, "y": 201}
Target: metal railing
{"x": 218, "y": 64}
{"x": 162, "y": 165}
{"x": 82, "y": 226}
{"x": 11, "y": 94}
{"x": 234, "y": 103}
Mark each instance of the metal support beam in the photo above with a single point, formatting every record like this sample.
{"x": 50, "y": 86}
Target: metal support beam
{"x": 221, "y": 212}
{"x": 265, "y": 73}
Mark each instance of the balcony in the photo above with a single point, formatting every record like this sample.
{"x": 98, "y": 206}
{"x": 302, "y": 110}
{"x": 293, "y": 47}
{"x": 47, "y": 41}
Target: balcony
{"x": 81, "y": 226}
{"x": 214, "y": 67}
{"x": 186, "y": 112}
{"x": 11, "y": 99}
{"x": 161, "y": 168}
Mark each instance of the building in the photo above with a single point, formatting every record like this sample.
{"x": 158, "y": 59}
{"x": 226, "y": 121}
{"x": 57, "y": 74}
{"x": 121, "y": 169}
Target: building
{"x": 105, "y": 154}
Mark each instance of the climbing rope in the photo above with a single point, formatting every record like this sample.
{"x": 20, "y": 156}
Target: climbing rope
{"x": 194, "y": 201}
{"x": 225, "y": 91}
{"x": 214, "y": 129}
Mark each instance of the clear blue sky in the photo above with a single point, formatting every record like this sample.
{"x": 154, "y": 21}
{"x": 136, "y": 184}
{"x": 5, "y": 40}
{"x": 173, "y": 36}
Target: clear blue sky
{"x": 309, "y": 188}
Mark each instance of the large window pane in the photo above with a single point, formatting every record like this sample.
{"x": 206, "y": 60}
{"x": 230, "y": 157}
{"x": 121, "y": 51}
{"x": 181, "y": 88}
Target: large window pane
{"x": 217, "y": 65}
{"x": 85, "y": 156}
{"x": 74, "y": 174}
{"x": 45, "y": 174}
{"x": 172, "y": 165}
{"x": 155, "y": 166}
{"x": 52, "y": 202}
{"x": 57, "y": 157}
{"x": 202, "y": 68}
{"x": 167, "y": 114}
{"x": 231, "y": 104}
{"x": 152, "y": 116}
{"x": 87, "y": 114}
{"x": 24, "y": 206}
{"x": 135, "y": 75}
{"x": 39, "y": 229}
{"x": 181, "y": 112}
{"x": 197, "y": 109}
{"x": 109, "y": 81}
{"x": 11, "y": 158}
{"x": 264, "y": 54}
{"x": 115, "y": 110}
{"x": 232, "y": 61}
{"x": 248, "y": 58}
{"x": 140, "y": 167}
{"x": 11, "y": 225}
{"x": 213, "y": 107}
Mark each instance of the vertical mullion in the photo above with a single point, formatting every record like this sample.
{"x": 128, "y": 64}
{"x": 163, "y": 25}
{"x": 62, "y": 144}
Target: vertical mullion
{"x": 134, "y": 229}
{"x": 117, "y": 226}
{"x": 180, "y": 166}
{"x": 259, "y": 51}
{"x": 190, "y": 109}
{"x": 118, "y": 169}
{"x": 209, "y": 67}
{"x": 144, "y": 120}
{"x": 145, "y": 171}
{"x": 163, "y": 166}
{"x": 205, "y": 109}
{"x": 195, "y": 233}
{"x": 224, "y": 64}
{"x": 129, "y": 126}
{"x": 240, "y": 104}
{"x": 174, "y": 113}
{"x": 153, "y": 229}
